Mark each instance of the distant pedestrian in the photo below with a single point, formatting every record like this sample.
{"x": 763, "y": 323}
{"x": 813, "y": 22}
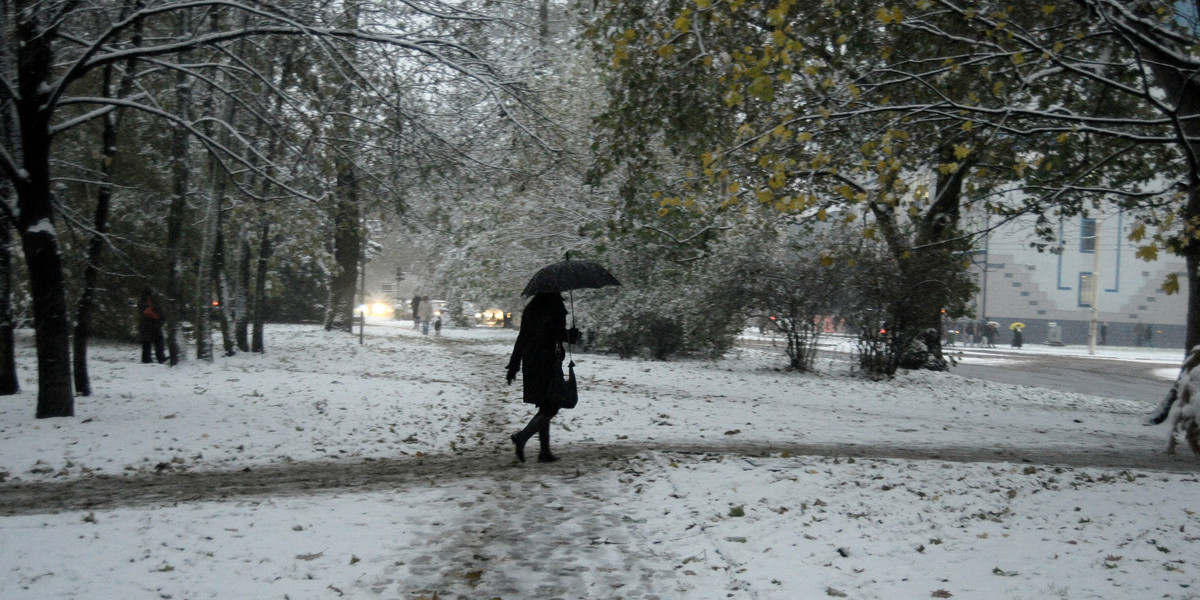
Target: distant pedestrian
{"x": 969, "y": 334}
{"x": 426, "y": 310}
{"x": 150, "y": 329}
{"x": 416, "y": 310}
{"x": 1150, "y": 335}
{"x": 437, "y": 325}
{"x": 990, "y": 334}
{"x": 1018, "y": 338}
{"x": 1104, "y": 334}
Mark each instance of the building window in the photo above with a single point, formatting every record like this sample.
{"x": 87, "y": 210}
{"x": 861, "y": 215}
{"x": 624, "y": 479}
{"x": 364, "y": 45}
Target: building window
{"x": 1087, "y": 236}
{"x": 1087, "y": 291}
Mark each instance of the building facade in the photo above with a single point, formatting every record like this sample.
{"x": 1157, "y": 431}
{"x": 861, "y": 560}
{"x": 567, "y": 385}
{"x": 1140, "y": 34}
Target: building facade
{"x": 1094, "y": 262}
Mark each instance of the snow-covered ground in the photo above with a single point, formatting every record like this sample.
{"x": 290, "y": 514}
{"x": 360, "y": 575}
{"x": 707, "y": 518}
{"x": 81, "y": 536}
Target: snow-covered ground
{"x": 684, "y": 479}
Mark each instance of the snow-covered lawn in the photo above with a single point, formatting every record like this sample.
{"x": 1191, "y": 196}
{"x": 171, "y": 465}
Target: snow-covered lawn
{"x": 685, "y": 479}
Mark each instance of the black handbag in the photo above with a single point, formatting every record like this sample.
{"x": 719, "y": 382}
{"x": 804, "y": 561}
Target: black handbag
{"x": 564, "y": 392}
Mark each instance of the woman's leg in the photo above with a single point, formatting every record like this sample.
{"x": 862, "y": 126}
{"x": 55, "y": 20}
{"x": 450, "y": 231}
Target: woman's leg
{"x": 544, "y": 454}
{"x": 539, "y": 424}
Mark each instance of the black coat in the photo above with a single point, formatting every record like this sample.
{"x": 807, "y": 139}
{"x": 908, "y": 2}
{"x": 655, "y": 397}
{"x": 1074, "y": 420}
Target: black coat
{"x": 149, "y": 319}
{"x": 538, "y": 352}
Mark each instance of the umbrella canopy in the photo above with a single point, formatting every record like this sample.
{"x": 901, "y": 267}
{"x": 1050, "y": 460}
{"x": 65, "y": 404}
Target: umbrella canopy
{"x": 1016, "y": 326}
{"x": 568, "y": 275}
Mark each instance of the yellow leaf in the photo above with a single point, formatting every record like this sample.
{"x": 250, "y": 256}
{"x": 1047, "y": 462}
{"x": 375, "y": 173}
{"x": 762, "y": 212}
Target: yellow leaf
{"x": 778, "y": 38}
{"x": 706, "y": 159}
{"x": 765, "y": 195}
{"x": 1171, "y": 284}
{"x": 869, "y": 233}
{"x": 968, "y": 125}
{"x": 826, "y": 260}
{"x": 821, "y": 215}
{"x": 1138, "y": 233}
{"x": 922, "y": 4}
{"x": 842, "y": 38}
{"x": 1018, "y": 58}
{"x": 703, "y": 3}
{"x": 1148, "y": 252}
{"x": 804, "y": 137}
{"x": 734, "y": 187}
{"x": 683, "y": 24}
{"x": 997, "y": 88}
{"x": 1062, "y": 137}
{"x": 1048, "y": 8}
{"x": 961, "y": 152}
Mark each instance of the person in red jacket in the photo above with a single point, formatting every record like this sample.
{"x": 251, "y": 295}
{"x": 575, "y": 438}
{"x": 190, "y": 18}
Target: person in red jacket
{"x": 150, "y": 329}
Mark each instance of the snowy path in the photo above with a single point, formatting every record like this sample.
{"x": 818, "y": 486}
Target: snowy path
{"x": 490, "y": 455}
{"x": 679, "y": 480}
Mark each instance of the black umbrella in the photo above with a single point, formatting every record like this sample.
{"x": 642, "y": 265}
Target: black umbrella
{"x": 569, "y": 275}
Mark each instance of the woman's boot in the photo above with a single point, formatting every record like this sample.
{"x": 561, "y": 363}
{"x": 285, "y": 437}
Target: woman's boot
{"x": 544, "y": 441}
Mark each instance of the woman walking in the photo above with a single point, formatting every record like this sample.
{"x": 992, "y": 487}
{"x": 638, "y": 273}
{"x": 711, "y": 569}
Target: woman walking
{"x": 538, "y": 355}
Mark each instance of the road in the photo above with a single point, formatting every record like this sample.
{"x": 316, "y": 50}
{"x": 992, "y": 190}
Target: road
{"x": 1140, "y": 379}
{"x": 1127, "y": 380}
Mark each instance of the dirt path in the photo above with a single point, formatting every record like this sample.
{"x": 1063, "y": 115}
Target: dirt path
{"x": 491, "y": 459}
{"x": 308, "y": 478}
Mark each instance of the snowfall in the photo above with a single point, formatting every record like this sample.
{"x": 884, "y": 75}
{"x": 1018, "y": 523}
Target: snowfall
{"x": 380, "y": 466}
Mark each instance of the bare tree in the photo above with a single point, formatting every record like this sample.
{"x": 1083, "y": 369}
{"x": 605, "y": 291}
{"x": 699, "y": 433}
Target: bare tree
{"x": 56, "y": 46}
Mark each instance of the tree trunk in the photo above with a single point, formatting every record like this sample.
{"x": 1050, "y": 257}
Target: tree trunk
{"x": 1191, "y": 253}
{"x": 180, "y": 185}
{"x": 241, "y": 303}
{"x": 9, "y": 384}
{"x": 223, "y": 290}
{"x": 35, "y": 222}
{"x": 347, "y": 248}
{"x": 260, "y": 287}
{"x": 108, "y": 151}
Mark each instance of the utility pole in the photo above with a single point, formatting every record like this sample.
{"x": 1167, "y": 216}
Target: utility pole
{"x": 1093, "y": 325}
